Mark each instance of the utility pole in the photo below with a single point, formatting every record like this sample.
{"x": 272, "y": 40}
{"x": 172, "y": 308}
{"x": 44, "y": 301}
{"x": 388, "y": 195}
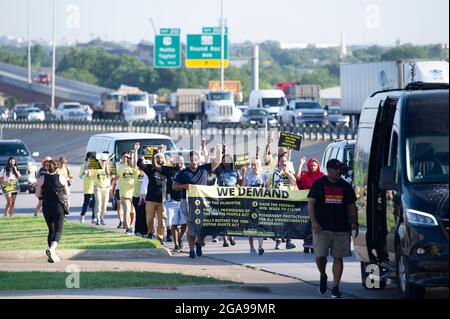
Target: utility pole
{"x": 255, "y": 68}
{"x": 222, "y": 51}
{"x": 54, "y": 57}
{"x": 29, "y": 44}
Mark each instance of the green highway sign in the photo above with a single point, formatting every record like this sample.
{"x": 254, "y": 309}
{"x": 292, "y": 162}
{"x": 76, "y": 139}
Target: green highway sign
{"x": 215, "y": 30}
{"x": 167, "y": 49}
{"x": 168, "y": 31}
{"x": 204, "y": 50}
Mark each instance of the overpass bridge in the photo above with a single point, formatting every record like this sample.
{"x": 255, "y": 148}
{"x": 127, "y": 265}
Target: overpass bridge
{"x": 14, "y": 82}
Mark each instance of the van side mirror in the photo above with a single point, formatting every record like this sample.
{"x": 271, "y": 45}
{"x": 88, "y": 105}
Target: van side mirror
{"x": 35, "y": 154}
{"x": 387, "y": 181}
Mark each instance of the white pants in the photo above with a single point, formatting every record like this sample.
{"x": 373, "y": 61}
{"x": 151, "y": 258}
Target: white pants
{"x": 101, "y": 201}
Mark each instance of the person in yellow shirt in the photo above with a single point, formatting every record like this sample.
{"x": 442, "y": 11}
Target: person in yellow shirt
{"x": 88, "y": 187}
{"x": 64, "y": 170}
{"x": 139, "y": 208}
{"x": 126, "y": 177}
{"x": 102, "y": 183}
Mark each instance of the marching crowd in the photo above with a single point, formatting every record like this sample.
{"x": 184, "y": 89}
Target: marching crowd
{"x": 150, "y": 187}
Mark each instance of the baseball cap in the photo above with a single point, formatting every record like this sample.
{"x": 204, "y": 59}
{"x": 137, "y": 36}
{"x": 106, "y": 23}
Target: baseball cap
{"x": 334, "y": 163}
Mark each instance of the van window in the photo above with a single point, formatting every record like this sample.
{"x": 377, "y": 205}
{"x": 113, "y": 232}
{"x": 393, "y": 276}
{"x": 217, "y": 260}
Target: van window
{"x": 427, "y": 139}
{"x": 13, "y": 149}
{"x": 348, "y": 157}
{"x": 128, "y": 145}
{"x": 393, "y": 155}
{"x": 273, "y": 101}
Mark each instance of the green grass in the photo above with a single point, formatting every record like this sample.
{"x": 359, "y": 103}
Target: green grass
{"x": 91, "y": 280}
{"x": 30, "y": 233}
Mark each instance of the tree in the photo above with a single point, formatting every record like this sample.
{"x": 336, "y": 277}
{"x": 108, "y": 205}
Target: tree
{"x": 321, "y": 77}
{"x": 38, "y": 55}
{"x": 79, "y": 75}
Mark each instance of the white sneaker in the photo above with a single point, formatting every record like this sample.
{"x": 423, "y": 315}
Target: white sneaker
{"x": 94, "y": 221}
{"x": 55, "y": 257}
{"x": 253, "y": 251}
{"x": 82, "y": 220}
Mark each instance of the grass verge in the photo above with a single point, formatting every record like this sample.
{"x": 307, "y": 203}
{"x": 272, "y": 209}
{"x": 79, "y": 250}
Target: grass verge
{"x": 30, "y": 233}
{"x": 13, "y": 281}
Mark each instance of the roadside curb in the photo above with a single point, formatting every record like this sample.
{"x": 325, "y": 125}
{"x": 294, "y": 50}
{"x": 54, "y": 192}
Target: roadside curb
{"x": 89, "y": 254}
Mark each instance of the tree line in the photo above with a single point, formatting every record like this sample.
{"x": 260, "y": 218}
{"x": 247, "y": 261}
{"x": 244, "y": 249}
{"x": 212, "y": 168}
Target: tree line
{"x": 97, "y": 65}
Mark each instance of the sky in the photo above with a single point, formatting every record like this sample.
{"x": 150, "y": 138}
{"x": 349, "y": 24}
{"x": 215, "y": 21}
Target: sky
{"x": 363, "y": 22}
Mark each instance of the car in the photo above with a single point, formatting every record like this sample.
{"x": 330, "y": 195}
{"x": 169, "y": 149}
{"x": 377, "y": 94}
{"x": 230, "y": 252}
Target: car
{"x": 43, "y": 106}
{"x": 42, "y": 78}
{"x": 19, "y": 112}
{"x": 401, "y": 176}
{"x": 25, "y": 161}
{"x": 4, "y": 113}
{"x": 342, "y": 150}
{"x": 71, "y": 111}
{"x": 336, "y": 118}
{"x": 161, "y": 109}
{"x": 304, "y": 112}
{"x": 117, "y": 143}
{"x": 35, "y": 114}
{"x": 257, "y": 116}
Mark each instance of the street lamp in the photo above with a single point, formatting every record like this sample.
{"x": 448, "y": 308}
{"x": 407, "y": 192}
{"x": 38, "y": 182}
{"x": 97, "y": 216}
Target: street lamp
{"x": 29, "y": 44}
{"x": 53, "y": 57}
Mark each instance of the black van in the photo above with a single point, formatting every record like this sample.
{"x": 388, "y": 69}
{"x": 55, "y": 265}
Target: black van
{"x": 401, "y": 168}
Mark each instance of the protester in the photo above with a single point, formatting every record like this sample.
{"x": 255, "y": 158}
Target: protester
{"x": 229, "y": 177}
{"x": 139, "y": 209}
{"x": 194, "y": 174}
{"x": 305, "y": 179}
{"x": 126, "y": 178}
{"x": 331, "y": 203}
{"x": 283, "y": 178}
{"x": 43, "y": 170}
{"x": 53, "y": 190}
{"x": 8, "y": 174}
{"x": 154, "y": 199}
{"x": 102, "y": 182}
{"x": 255, "y": 178}
{"x": 88, "y": 187}
{"x": 172, "y": 200}
{"x": 64, "y": 170}
{"x": 115, "y": 190}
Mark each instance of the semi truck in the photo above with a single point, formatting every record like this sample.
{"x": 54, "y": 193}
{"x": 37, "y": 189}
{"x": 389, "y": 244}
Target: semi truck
{"x": 206, "y": 105}
{"x": 359, "y": 81}
{"x": 127, "y": 103}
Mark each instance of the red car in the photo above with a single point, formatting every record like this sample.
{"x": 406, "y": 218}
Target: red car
{"x": 43, "y": 78}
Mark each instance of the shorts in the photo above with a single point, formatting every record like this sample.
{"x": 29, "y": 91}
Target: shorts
{"x": 117, "y": 194}
{"x": 184, "y": 209}
{"x": 174, "y": 215}
{"x": 335, "y": 244}
{"x": 13, "y": 194}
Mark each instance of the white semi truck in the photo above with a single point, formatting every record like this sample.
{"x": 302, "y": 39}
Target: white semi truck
{"x": 128, "y": 103}
{"x": 207, "y": 105}
{"x": 359, "y": 81}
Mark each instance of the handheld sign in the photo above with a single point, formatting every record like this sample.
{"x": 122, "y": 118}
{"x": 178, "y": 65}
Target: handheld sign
{"x": 10, "y": 187}
{"x": 148, "y": 152}
{"x": 241, "y": 160}
{"x": 94, "y": 164}
{"x": 290, "y": 141}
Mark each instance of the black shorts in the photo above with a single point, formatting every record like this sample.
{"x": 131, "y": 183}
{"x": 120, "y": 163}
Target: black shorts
{"x": 117, "y": 194}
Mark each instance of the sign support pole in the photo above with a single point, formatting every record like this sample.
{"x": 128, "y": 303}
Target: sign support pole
{"x": 222, "y": 51}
